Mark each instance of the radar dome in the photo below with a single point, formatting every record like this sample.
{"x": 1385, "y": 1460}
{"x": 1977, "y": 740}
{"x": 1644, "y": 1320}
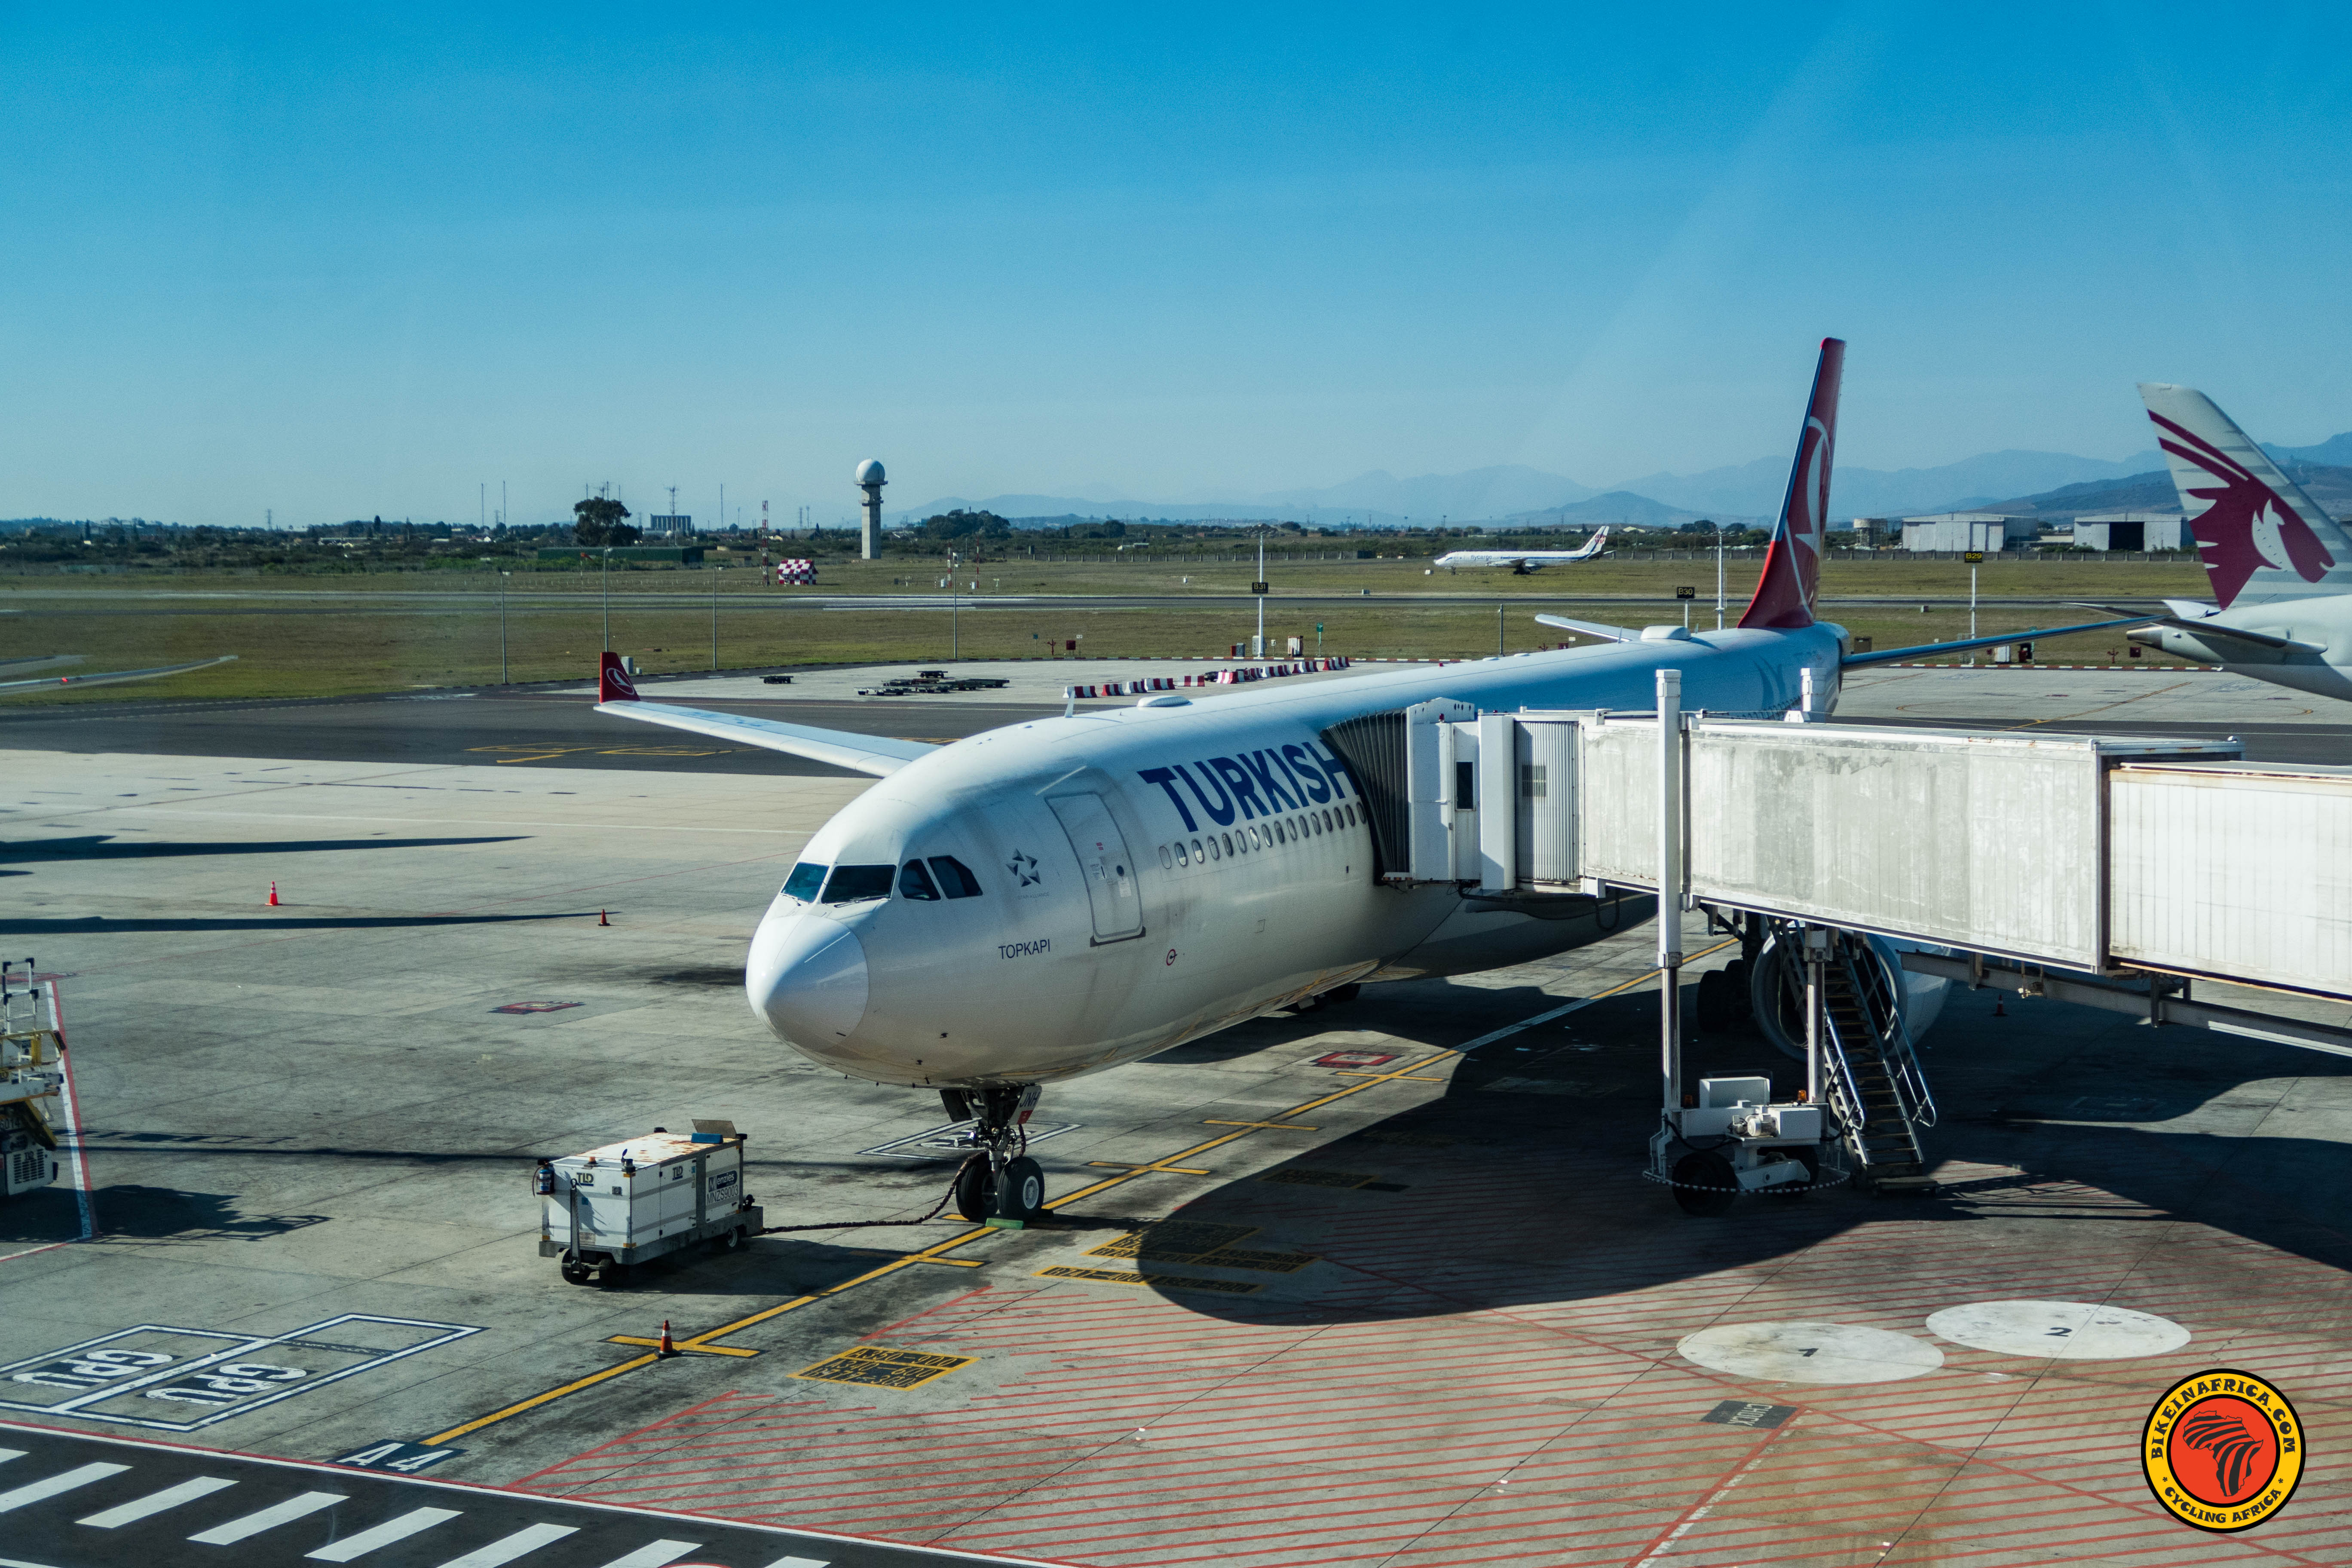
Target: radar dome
{"x": 869, "y": 472}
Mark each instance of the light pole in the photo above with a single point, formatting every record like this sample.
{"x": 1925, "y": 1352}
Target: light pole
{"x": 607, "y": 576}
{"x": 502, "y": 626}
{"x": 716, "y": 567}
{"x": 1257, "y": 647}
{"x": 1499, "y": 630}
{"x": 1719, "y": 576}
{"x": 954, "y": 642}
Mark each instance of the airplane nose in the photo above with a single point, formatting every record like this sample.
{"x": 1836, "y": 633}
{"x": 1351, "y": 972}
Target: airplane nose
{"x": 806, "y": 977}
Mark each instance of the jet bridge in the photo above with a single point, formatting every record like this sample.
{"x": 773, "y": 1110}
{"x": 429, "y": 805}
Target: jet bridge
{"x": 2111, "y": 871}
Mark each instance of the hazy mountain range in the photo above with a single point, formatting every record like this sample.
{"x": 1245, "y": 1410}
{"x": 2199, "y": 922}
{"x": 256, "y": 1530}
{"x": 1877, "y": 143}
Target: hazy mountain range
{"x": 1515, "y": 493}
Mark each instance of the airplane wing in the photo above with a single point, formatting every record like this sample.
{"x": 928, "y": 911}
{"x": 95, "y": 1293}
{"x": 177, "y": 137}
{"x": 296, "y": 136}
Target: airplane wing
{"x": 1591, "y": 628}
{"x": 55, "y": 682}
{"x": 1853, "y": 659}
{"x": 877, "y": 754}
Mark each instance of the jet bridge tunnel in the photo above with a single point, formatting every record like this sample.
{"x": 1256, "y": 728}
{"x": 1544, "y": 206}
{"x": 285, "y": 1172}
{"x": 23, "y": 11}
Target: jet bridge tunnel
{"x": 2100, "y": 870}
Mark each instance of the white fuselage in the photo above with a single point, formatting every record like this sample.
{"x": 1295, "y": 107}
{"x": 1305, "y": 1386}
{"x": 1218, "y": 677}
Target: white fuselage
{"x": 1148, "y": 874}
{"x": 2324, "y": 622}
{"x": 1518, "y": 560}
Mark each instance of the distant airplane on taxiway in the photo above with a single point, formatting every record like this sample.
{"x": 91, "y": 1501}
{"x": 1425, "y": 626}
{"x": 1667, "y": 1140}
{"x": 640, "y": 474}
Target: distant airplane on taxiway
{"x": 1522, "y": 562}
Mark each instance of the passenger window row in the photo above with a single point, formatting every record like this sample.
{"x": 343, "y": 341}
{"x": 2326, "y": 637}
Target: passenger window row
{"x": 1234, "y": 842}
{"x": 946, "y": 878}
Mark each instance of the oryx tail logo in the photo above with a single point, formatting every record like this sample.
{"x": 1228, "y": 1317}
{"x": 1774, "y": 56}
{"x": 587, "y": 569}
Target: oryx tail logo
{"x": 2222, "y": 1450}
{"x": 2247, "y": 528}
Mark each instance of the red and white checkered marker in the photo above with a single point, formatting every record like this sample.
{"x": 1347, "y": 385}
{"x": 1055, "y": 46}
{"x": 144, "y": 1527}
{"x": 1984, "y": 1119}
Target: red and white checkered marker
{"x": 791, "y": 572}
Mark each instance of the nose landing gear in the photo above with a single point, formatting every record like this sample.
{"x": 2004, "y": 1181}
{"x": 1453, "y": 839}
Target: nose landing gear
{"x": 998, "y": 1181}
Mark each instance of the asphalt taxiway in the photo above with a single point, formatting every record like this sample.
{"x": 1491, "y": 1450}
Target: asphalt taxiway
{"x": 1380, "y": 1284}
{"x": 555, "y": 726}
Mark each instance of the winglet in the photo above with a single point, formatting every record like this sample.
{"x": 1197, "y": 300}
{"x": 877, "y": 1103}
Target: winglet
{"x": 613, "y": 682}
{"x": 1792, "y": 563}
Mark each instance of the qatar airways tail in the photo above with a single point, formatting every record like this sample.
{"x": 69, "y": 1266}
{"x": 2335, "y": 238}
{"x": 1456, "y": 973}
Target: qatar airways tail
{"x": 2261, "y": 538}
{"x": 2281, "y": 567}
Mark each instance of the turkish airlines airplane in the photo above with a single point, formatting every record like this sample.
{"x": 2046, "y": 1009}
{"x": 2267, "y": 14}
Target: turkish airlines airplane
{"x": 1063, "y": 896}
{"x": 2280, "y": 568}
{"x": 1522, "y": 562}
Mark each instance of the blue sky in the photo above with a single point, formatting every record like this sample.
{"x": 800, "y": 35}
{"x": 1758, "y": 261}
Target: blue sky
{"x": 340, "y": 262}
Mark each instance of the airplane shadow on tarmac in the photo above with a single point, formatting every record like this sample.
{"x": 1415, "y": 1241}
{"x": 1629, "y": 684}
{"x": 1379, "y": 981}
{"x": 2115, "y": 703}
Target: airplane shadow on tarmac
{"x": 101, "y": 925}
{"x": 106, "y": 846}
{"x": 1523, "y": 1183}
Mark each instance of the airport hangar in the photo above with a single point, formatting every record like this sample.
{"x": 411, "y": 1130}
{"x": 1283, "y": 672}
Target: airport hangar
{"x": 1374, "y": 1282}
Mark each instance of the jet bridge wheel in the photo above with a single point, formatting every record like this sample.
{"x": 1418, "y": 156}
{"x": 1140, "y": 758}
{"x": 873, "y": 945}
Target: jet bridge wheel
{"x": 1704, "y": 1184}
{"x": 974, "y": 1188}
{"x": 577, "y": 1272}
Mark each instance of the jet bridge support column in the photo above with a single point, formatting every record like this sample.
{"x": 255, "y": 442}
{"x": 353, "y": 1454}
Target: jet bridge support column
{"x": 1817, "y": 954}
{"x": 1669, "y": 881}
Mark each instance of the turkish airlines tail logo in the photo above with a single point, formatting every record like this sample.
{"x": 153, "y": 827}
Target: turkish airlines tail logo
{"x": 2255, "y": 525}
{"x": 613, "y": 683}
{"x": 1791, "y": 577}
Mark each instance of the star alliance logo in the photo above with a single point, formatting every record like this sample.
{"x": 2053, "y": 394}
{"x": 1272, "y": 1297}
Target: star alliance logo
{"x": 1025, "y": 866}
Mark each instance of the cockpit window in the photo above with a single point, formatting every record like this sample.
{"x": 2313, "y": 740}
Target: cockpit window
{"x": 914, "y": 882}
{"x": 850, "y": 883}
{"x": 958, "y": 881}
{"x": 806, "y": 878}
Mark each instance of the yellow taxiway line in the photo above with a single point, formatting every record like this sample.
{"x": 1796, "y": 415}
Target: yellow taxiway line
{"x": 933, "y": 1254}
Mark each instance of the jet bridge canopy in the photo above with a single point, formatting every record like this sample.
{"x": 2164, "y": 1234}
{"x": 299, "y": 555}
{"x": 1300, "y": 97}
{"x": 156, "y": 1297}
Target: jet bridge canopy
{"x": 2099, "y": 854}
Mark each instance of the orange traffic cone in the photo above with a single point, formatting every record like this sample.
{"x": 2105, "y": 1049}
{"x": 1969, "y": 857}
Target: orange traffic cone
{"x": 273, "y": 894}
{"x": 604, "y": 917}
{"x": 667, "y": 1349}
{"x": 2000, "y": 1008}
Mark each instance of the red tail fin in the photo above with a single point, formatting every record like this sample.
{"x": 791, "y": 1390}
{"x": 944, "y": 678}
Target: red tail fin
{"x": 1792, "y": 566}
{"x": 613, "y": 682}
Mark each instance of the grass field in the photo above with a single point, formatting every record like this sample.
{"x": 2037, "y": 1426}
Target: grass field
{"x": 390, "y": 632}
{"x": 2045, "y": 576}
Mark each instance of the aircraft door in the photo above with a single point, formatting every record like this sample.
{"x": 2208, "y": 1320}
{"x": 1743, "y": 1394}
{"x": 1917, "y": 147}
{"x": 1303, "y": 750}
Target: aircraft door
{"x": 1103, "y": 860}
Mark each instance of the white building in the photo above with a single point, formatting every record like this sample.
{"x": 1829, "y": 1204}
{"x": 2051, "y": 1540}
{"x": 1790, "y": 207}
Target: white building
{"x": 1990, "y": 531}
{"x": 1873, "y": 533}
{"x": 2132, "y": 531}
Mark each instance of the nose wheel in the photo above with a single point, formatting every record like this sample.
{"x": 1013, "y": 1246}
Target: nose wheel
{"x": 999, "y": 1181}
{"x": 1020, "y": 1189}
{"x": 975, "y": 1188}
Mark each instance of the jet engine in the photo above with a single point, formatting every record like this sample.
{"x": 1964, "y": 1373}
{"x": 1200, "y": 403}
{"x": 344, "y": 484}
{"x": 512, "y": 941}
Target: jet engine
{"x": 1864, "y": 985}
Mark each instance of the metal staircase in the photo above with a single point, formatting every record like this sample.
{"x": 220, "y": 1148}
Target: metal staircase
{"x": 1873, "y": 1077}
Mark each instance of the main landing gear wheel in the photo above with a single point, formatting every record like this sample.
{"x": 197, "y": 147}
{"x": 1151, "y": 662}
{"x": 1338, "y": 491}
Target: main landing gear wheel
{"x": 1704, "y": 1184}
{"x": 974, "y": 1188}
{"x": 1021, "y": 1190}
